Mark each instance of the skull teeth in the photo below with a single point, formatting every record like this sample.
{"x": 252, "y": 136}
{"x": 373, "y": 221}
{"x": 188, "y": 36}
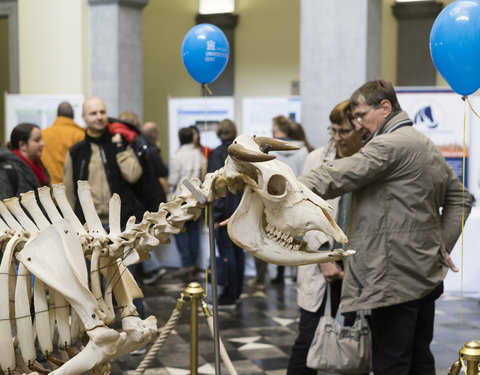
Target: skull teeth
{"x": 285, "y": 240}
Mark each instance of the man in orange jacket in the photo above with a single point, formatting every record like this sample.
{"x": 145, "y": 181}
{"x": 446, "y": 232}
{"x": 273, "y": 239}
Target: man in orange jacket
{"x": 58, "y": 139}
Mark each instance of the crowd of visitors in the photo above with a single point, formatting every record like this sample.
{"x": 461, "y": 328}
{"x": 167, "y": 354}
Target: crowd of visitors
{"x": 393, "y": 194}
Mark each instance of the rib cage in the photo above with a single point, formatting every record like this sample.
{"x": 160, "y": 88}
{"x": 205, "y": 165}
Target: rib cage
{"x": 109, "y": 254}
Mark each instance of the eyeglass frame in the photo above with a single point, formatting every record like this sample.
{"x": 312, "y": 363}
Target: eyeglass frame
{"x": 339, "y": 132}
{"x": 358, "y": 118}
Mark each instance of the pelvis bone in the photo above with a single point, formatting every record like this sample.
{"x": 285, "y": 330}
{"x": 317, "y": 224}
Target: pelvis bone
{"x": 276, "y": 211}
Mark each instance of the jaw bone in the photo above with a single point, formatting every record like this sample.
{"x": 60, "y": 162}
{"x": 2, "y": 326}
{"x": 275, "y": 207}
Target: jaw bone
{"x": 270, "y": 243}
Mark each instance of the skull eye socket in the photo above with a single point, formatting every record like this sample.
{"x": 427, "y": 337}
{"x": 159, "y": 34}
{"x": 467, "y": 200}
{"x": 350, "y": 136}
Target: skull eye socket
{"x": 277, "y": 185}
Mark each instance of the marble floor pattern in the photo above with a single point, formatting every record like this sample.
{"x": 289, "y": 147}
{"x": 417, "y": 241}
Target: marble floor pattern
{"x": 260, "y": 331}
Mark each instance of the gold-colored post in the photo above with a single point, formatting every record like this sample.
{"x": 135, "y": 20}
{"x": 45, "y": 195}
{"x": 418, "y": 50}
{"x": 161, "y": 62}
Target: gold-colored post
{"x": 455, "y": 369}
{"x": 471, "y": 354}
{"x": 195, "y": 292}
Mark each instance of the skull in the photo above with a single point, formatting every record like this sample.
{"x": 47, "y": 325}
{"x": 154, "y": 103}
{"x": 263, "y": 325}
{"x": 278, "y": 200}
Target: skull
{"x": 276, "y": 210}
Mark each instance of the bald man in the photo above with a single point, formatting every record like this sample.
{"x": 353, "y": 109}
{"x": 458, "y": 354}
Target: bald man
{"x": 58, "y": 139}
{"x": 107, "y": 162}
{"x": 150, "y": 131}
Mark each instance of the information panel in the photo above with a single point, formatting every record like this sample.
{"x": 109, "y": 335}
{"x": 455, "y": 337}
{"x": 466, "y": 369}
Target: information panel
{"x": 38, "y": 109}
{"x": 204, "y": 113}
{"x": 258, "y": 113}
{"x": 439, "y": 114}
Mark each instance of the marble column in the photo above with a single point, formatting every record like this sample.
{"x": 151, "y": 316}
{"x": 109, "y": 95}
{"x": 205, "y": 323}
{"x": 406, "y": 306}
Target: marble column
{"x": 116, "y": 54}
{"x": 340, "y": 45}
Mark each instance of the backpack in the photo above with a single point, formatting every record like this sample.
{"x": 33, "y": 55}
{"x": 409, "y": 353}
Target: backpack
{"x": 12, "y": 176}
{"x": 147, "y": 189}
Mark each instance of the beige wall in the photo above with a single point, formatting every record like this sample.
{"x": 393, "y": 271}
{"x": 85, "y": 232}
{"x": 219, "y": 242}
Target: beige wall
{"x": 266, "y": 53}
{"x": 389, "y": 42}
{"x": 267, "y": 47}
{"x": 53, "y": 52}
{"x": 165, "y": 24}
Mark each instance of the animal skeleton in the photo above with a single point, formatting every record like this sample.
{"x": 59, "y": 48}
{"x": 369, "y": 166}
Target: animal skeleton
{"x": 275, "y": 212}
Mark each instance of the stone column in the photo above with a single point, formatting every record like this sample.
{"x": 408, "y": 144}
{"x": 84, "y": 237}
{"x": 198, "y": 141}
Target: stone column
{"x": 116, "y": 54}
{"x": 340, "y": 45}
{"x": 415, "y": 20}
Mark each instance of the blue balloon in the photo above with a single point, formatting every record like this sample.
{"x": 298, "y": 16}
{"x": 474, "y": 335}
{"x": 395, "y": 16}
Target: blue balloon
{"x": 455, "y": 45}
{"x": 205, "y": 52}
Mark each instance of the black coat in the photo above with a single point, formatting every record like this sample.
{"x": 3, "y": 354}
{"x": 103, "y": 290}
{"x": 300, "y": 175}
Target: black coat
{"x": 25, "y": 178}
{"x": 224, "y": 207}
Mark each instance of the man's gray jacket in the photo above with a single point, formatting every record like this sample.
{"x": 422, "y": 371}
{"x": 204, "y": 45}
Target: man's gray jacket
{"x": 406, "y": 211}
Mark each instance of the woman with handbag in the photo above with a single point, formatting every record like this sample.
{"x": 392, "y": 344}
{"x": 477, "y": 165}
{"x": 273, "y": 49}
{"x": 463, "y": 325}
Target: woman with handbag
{"x": 312, "y": 279}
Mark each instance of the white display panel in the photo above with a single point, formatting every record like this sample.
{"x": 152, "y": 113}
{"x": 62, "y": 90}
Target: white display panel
{"x": 257, "y": 113}
{"x": 184, "y": 112}
{"x": 441, "y": 114}
{"x": 38, "y": 109}
{"x": 438, "y": 114}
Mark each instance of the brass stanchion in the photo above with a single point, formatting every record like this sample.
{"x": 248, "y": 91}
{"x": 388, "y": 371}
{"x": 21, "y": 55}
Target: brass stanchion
{"x": 213, "y": 266}
{"x": 470, "y": 353}
{"x": 195, "y": 291}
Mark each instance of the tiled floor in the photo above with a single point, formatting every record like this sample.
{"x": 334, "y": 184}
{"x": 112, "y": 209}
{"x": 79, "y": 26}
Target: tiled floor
{"x": 259, "y": 333}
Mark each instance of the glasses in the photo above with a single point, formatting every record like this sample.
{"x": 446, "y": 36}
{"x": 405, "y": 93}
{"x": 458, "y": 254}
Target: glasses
{"x": 340, "y": 132}
{"x": 358, "y": 117}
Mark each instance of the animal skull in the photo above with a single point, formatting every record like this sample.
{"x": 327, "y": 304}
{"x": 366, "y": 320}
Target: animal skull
{"x": 276, "y": 210}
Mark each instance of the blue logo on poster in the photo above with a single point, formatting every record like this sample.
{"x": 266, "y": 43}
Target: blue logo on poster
{"x": 424, "y": 117}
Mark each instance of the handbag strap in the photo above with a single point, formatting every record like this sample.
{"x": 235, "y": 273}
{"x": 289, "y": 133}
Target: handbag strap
{"x": 328, "y": 302}
{"x": 362, "y": 313}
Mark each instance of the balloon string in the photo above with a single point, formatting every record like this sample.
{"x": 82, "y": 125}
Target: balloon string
{"x": 470, "y": 105}
{"x": 206, "y": 250}
{"x": 207, "y": 212}
{"x": 463, "y": 210}
{"x": 463, "y": 364}
{"x": 207, "y": 89}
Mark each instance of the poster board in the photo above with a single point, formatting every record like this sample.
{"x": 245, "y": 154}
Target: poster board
{"x": 201, "y": 112}
{"x": 258, "y": 112}
{"x": 38, "y": 109}
{"x": 439, "y": 114}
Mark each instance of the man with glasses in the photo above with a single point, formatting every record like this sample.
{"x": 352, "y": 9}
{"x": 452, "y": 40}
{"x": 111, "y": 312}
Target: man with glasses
{"x": 405, "y": 217}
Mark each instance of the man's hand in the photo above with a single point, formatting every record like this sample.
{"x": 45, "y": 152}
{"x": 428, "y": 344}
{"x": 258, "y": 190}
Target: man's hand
{"x": 450, "y": 263}
{"x": 117, "y": 138}
{"x": 223, "y": 223}
{"x": 331, "y": 271}
{"x": 123, "y": 130}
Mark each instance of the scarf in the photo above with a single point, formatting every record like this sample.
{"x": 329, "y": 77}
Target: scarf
{"x": 36, "y": 167}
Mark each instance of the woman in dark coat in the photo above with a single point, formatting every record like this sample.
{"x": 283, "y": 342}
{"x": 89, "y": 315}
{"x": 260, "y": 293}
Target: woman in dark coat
{"x": 232, "y": 257}
{"x": 21, "y": 169}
